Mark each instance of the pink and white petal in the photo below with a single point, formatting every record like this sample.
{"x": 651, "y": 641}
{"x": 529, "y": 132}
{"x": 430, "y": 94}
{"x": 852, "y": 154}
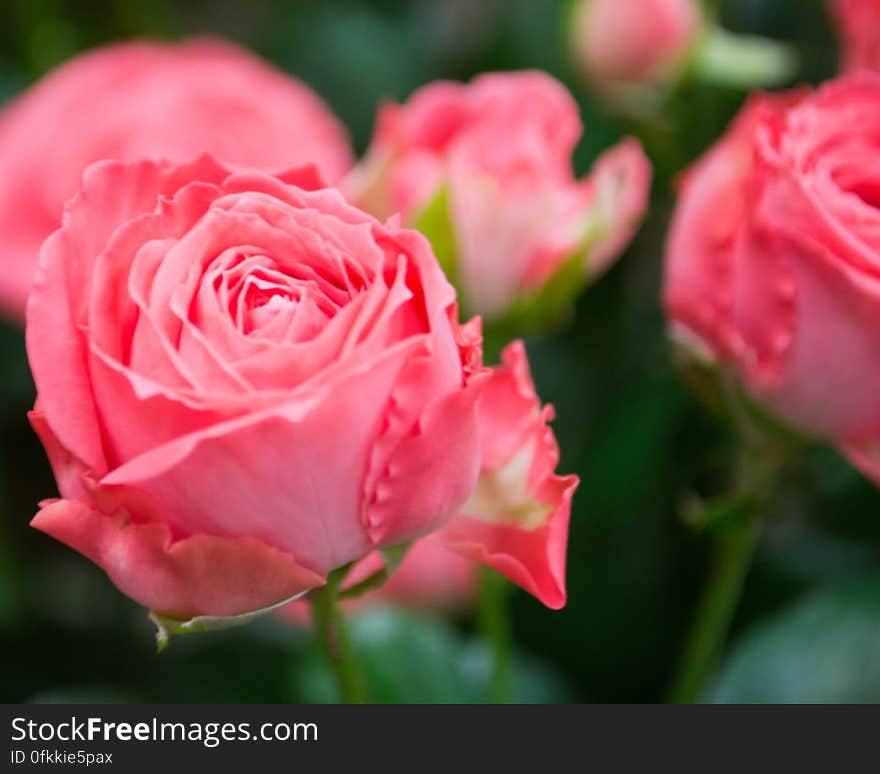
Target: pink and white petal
{"x": 516, "y": 519}
{"x": 509, "y": 407}
{"x": 192, "y": 576}
{"x": 534, "y": 559}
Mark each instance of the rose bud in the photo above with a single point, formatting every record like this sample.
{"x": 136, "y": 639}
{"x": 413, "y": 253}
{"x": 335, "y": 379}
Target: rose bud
{"x": 622, "y": 46}
{"x": 484, "y": 170}
{"x": 772, "y": 268}
{"x": 147, "y": 100}
{"x": 244, "y": 384}
{"x": 633, "y": 53}
{"x": 430, "y": 578}
{"x": 858, "y": 24}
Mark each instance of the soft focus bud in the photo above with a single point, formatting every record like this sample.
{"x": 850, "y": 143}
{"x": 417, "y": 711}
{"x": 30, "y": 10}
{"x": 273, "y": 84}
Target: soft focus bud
{"x": 484, "y": 170}
{"x": 622, "y": 45}
{"x": 634, "y": 52}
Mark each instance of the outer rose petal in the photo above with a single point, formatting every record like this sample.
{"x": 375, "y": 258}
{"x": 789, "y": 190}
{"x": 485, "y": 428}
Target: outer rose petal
{"x": 57, "y": 309}
{"x": 431, "y": 473}
{"x": 699, "y": 265}
{"x": 828, "y": 375}
{"x": 68, "y": 469}
{"x": 858, "y": 22}
{"x": 772, "y": 261}
{"x": 306, "y": 502}
{"x": 198, "y": 575}
{"x": 517, "y": 519}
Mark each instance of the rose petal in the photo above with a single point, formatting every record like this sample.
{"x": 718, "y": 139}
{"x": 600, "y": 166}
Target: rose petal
{"x": 516, "y": 521}
{"x": 198, "y": 575}
{"x": 306, "y": 502}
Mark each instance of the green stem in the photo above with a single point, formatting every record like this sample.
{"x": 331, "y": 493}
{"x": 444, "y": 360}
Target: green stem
{"x": 332, "y": 633}
{"x": 494, "y": 615}
{"x": 716, "y": 608}
{"x": 759, "y": 468}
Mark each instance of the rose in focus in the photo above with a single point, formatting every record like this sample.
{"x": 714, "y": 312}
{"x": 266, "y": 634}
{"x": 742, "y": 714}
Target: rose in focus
{"x": 484, "y": 170}
{"x": 147, "y": 100}
{"x": 773, "y": 260}
{"x": 245, "y": 383}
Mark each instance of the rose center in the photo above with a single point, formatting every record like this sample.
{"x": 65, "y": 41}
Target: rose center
{"x": 293, "y": 312}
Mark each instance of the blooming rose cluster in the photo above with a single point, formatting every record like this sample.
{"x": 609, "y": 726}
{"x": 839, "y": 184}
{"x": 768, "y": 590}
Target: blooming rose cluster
{"x": 248, "y": 380}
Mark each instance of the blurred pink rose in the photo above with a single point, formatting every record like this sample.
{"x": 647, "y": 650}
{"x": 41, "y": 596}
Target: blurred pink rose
{"x": 633, "y": 42}
{"x": 500, "y": 150}
{"x": 147, "y": 100}
{"x": 244, "y": 384}
{"x": 858, "y": 22}
{"x": 430, "y": 578}
{"x": 773, "y": 260}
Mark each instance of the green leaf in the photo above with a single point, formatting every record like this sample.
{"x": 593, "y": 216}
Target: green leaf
{"x": 392, "y": 556}
{"x": 552, "y": 303}
{"x": 745, "y": 62}
{"x": 823, "y": 649}
{"x": 168, "y": 627}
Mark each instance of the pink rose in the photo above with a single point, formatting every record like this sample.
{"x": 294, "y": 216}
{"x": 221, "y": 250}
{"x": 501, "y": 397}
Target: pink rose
{"x": 858, "y": 23}
{"x": 147, "y": 100}
{"x": 621, "y": 43}
{"x": 244, "y": 384}
{"x": 493, "y": 160}
{"x": 772, "y": 264}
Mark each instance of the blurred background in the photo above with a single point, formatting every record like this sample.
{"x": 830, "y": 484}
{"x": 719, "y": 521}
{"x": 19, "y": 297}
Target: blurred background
{"x": 808, "y": 628}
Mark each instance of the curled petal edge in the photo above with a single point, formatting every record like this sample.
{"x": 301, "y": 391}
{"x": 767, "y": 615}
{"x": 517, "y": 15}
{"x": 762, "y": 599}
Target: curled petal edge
{"x": 516, "y": 521}
{"x": 180, "y": 579}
